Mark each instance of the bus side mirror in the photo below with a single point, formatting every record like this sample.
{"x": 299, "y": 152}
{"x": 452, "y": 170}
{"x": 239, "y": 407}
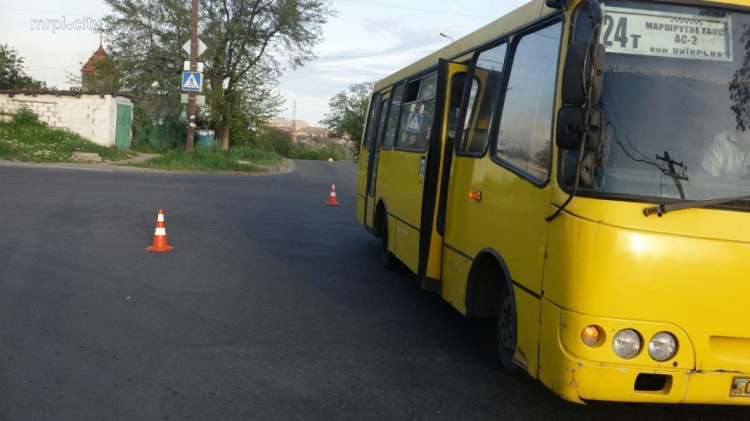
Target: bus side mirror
{"x": 572, "y": 124}
{"x": 576, "y": 73}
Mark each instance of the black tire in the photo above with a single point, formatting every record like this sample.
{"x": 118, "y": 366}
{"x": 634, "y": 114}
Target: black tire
{"x": 506, "y": 329}
{"x": 386, "y": 257}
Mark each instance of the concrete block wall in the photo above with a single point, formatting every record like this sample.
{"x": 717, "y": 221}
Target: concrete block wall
{"x": 93, "y": 116}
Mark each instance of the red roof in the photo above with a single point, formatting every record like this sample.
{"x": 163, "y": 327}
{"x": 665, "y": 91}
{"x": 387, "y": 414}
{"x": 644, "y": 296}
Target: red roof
{"x": 99, "y": 55}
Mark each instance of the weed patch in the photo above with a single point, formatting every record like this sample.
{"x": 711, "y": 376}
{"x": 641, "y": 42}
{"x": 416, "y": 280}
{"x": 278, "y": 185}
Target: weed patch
{"x": 214, "y": 160}
{"x": 25, "y": 140}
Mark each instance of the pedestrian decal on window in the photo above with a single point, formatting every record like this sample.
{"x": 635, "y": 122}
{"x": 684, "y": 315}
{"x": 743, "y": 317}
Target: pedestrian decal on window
{"x": 415, "y": 123}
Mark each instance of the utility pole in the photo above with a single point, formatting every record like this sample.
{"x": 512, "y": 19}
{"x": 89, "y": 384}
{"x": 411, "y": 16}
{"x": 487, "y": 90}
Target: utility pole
{"x": 193, "y": 68}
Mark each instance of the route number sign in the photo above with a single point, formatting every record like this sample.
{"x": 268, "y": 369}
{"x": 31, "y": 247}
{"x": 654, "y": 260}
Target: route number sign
{"x": 668, "y": 35}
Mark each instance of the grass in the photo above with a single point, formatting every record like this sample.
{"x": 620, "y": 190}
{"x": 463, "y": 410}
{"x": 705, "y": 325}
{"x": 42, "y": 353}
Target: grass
{"x": 146, "y": 146}
{"x": 40, "y": 143}
{"x": 214, "y": 160}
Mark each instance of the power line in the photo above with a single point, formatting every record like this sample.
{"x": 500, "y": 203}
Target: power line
{"x": 417, "y": 10}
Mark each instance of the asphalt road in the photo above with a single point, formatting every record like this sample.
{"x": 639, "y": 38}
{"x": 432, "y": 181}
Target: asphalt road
{"x": 272, "y": 306}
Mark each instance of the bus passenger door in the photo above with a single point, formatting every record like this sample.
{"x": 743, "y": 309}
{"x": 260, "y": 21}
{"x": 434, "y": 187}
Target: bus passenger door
{"x": 455, "y": 76}
{"x": 373, "y": 161}
{"x": 462, "y": 218}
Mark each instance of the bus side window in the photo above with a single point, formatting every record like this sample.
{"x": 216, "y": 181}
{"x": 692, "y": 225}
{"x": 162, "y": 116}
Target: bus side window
{"x": 458, "y": 84}
{"x": 392, "y": 127}
{"x": 524, "y": 139}
{"x": 372, "y": 116}
{"x": 483, "y": 99}
{"x": 417, "y": 114}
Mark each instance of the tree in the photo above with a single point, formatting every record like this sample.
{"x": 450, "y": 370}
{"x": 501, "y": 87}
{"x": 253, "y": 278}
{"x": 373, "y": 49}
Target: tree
{"x": 349, "y": 111}
{"x": 249, "y": 42}
{"x": 12, "y": 75}
{"x": 275, "y": 140}
{"x": 106, "y": 79}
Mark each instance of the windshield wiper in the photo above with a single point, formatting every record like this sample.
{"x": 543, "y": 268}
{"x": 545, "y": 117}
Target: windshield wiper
{"x": 671, "y": 207}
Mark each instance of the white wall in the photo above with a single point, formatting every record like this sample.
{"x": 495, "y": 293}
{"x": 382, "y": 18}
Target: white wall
{"x": 92, "y": 116}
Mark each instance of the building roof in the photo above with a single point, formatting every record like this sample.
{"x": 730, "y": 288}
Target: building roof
{"x": 12, "y": 93}
{"x": 98, "y": 56}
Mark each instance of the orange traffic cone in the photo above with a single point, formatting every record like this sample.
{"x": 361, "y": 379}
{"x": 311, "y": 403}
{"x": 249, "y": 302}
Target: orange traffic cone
{"x": 160, "y": 235}
{"x": 332, "y": 197}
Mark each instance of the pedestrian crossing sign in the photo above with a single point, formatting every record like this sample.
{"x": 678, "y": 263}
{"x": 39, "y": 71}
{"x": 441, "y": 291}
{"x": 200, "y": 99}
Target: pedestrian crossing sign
{"x": 415, "y": 123}
{"x": 192, "y": 81}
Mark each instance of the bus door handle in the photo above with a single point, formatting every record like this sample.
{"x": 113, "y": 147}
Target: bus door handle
{"x": 475, "y": 195}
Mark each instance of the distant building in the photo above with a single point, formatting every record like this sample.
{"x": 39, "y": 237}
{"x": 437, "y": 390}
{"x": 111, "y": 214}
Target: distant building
{"x": 103, "y": 118}
{"x": 89, "y": 70}
{"x": 299, "y": 129}
{"x": 288, "y": 125}
{"x": 313, "y": 131}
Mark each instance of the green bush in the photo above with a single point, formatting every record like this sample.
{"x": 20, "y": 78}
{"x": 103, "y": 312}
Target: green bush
{"x": 316, "y": 154}
{"x": 274, "y": 140}
{"x": 25, "y": 116}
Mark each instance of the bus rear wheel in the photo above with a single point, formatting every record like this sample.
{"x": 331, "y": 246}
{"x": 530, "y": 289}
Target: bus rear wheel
{"x": 386, "y": 257}
{"x": 506, "y": 332}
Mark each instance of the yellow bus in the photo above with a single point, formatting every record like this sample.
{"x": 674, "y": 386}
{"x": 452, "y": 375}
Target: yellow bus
{"x": 580, "y": 171}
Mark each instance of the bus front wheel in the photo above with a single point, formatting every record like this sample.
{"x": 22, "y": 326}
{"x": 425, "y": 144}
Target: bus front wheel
{"x": 386, "y": 257}
{"x": 507, "y": 332}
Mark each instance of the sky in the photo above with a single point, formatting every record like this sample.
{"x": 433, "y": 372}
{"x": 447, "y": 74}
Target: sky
{"x": 366, "y": 41}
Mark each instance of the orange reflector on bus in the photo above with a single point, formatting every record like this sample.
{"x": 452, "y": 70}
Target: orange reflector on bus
{"x": 475, "y": 195}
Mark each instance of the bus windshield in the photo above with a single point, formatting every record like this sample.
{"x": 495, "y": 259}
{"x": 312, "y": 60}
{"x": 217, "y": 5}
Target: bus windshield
{"x": 676, "y": 101}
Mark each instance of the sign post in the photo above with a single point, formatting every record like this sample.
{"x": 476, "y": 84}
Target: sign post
{"x": 193, "y": 70}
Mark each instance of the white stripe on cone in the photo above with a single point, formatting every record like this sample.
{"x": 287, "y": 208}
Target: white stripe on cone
{"x": 160, "y": 232}
{"x": 160, "y": 218}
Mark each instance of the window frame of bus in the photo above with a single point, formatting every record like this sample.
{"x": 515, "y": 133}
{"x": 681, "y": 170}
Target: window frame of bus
{"x": 371, "y": 116}
{"x": 517, "y": 37}
{"x": 419, "y": 77}
{"x": 392, "y": 98}
{"x": 467, "y": 94}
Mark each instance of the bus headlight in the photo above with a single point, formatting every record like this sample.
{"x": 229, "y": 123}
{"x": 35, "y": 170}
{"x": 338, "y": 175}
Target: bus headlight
{"x": 626, "y": 343}
{"x": 662, "y": 346}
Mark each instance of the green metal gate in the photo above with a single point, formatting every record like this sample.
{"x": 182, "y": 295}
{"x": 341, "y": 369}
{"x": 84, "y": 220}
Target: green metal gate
{"x": 122, "y": 134}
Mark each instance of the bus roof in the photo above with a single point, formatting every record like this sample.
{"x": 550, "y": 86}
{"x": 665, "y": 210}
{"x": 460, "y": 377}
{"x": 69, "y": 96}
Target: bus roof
{"x": 524, "y": 15}
{"x": 518, "y": 18}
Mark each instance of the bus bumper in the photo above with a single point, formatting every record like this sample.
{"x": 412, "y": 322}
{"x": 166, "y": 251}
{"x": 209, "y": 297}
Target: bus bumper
{"x": 579, "y": 379}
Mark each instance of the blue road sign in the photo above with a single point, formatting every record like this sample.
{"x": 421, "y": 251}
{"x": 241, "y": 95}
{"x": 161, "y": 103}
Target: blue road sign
{"x": 192, "y": 81}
